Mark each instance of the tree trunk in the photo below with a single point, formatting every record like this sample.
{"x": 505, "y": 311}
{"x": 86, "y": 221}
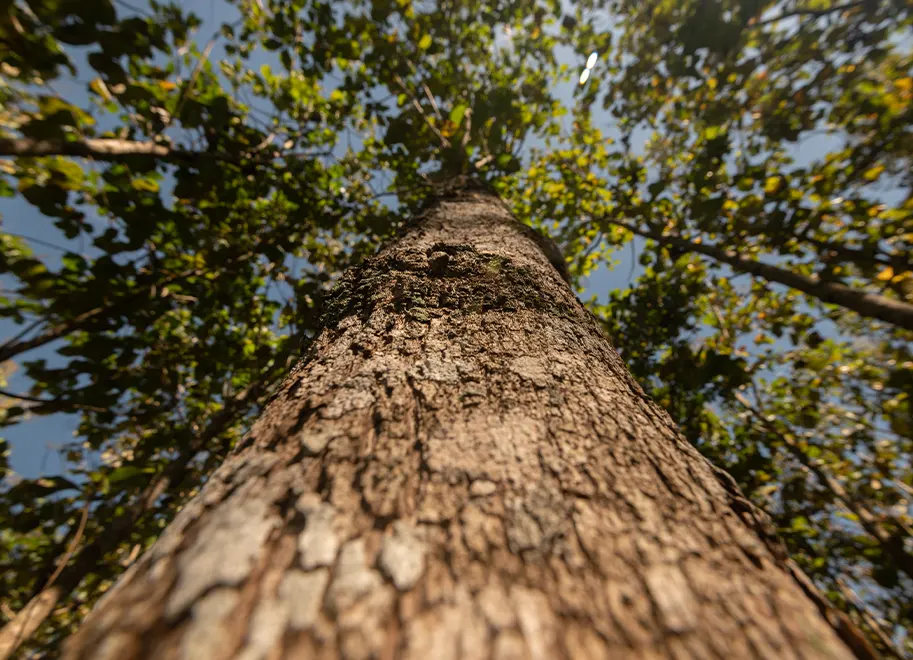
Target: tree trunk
{"x": 462, "y": 467}
{"x": 869, "y": 305}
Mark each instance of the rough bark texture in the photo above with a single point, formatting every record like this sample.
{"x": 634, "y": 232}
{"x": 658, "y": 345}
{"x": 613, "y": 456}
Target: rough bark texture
{"x": 462, "y": 467}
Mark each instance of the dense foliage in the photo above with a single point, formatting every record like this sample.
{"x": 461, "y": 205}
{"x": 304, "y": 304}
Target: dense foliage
{"x": 205, "y": 184}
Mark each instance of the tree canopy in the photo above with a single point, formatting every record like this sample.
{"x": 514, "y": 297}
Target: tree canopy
{"x": 194, "y": 188}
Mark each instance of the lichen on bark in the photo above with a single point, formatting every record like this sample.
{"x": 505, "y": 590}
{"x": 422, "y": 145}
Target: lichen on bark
{"x": 462, "y": 467}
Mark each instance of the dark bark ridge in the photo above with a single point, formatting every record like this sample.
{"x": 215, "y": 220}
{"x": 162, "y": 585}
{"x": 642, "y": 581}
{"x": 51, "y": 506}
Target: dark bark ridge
{"x": 462, "y": 467}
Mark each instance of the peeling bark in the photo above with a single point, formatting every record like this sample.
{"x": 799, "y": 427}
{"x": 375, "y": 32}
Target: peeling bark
{"x": 462, "y": 467}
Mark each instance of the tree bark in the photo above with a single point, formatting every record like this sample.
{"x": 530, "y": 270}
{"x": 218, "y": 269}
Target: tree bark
{"x": 870, "y": 305}
{"x": 462, "y": 467}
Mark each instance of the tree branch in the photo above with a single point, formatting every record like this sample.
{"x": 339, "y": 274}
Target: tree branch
{"x": 869, "y": 305}
{"x": 892, "y": 546}
{"x": 99, "y": 149}
{"x": 817, "y": 13}
{"x": 51, "y": 402}
{"x": 874, "y": 625}
{"x": 15, "y": 346}
{"x": 112, "y": 150}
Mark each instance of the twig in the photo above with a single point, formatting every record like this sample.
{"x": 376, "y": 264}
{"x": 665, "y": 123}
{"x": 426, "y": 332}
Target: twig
{"x": 51, "y": 402}
{"x": 269, "y": 138}
{"x": 23, "y": 624}
{"x": 817, "y": 13}
{"x": 134, "y": 8}
{"x": 483, "y": 161}
{"x": 418, "y": 106}
{"x": 866, "y": 519}
{"x": 23, "y": 397}
{"x": 430, "y": 96}
{"x": 37, "y": 241}
{"x": 185, "y": 93}
{"x": 719, "y": 319}
{"x": 633, "y": 263}
{"x": 873, "y": 624}
{"x": 23, "y": 333}
{"x": 72, "y": 547}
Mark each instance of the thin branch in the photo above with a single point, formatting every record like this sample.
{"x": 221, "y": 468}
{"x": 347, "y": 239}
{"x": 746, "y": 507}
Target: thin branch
{"x": 185, "y": 93}
{"x": 865, "y": 304}
{"x": 724, "y": 329}
{"x": 633, "y": 263}
{"x": 418, "y": 106}
{"x": 41, "y": 605}
{"x": 430, "y": 96}
{"x": 134, "y": 8}
{"x": 816, "y": 13}
{"x": 873, "y": 623}
{"x": 899, "y": 262}
{"x": 23, "y": 333}
{"x": 24, "y": 624}
{"x": 892, "y": 546}
{"x": 14, "y": 347}
{"x": 37, "y": 241}
{"x": 111, "y": 150}
{"x": 24, "y": 397}
{"x": 483, "y": 161}
{"x": 51, "y": 402}
{"x": 72, "y": 547}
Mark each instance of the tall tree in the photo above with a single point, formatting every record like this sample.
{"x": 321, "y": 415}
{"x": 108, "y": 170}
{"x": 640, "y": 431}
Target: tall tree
{"x": 209, "y": 182}
{"x": 463, "y": 467}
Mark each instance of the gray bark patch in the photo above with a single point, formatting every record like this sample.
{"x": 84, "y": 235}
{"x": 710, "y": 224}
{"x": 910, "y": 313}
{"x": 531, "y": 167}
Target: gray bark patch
{"x": 352, "y": 580}
{"x": 317, "y": 544}
{"x": 224, "y": 551}
{"x": 402, "y": 556}
{"x": 302, "y": 594}
{"x": 674, "y": 602}
{"x": 205, "y": 637}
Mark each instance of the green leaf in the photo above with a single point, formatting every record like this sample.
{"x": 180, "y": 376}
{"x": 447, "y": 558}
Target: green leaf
{"x": 457, "y": 113}
{"x": 124, "y": 473}
{"x": 145, "y": 184}
{"x": 41, "y": 487}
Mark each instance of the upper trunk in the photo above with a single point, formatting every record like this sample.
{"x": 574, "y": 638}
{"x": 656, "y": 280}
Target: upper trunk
{"x": 463, "y": 467}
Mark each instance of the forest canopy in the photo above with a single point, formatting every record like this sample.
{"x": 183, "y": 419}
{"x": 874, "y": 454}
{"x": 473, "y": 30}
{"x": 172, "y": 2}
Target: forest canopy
{"x": 729, "y": 181}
